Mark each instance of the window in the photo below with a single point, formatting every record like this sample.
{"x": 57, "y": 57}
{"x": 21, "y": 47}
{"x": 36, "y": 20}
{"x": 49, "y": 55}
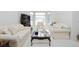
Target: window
{"x": 31, "y": 14}
{"x": 43, "y": 17}
{"x": 39, "y": 17}
{"x": 40, "y": 13}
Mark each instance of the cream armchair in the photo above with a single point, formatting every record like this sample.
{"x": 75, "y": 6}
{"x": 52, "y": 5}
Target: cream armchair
{"x": 41, "y": 27}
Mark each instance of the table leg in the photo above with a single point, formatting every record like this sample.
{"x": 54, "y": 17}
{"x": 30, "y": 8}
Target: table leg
{"x": 49, "y": 42}
{"x": 31, "y": 42}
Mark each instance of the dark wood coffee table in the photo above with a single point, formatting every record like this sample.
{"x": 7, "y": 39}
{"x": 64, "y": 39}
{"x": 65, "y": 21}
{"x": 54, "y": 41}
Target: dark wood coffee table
{"x": 40, "y": 38}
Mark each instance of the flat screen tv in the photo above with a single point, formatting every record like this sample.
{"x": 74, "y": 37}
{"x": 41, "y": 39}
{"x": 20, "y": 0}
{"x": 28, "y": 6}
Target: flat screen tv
{"x": 25, "y": 20}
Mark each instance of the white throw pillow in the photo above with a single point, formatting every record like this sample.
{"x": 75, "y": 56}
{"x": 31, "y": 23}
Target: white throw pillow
{"x": 5, "y": 31}
{"x": 13, "y": 30}
{"x": 16, "y": 28}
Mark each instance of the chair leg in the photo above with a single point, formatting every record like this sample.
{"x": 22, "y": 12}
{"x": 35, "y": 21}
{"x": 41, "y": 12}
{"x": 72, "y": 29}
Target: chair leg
{"x": 31, "y": 42}
{"x": 49, "y": 42}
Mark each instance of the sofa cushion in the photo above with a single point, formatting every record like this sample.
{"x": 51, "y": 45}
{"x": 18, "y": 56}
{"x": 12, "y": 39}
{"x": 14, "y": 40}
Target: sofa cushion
{"x": 15, "y": 28}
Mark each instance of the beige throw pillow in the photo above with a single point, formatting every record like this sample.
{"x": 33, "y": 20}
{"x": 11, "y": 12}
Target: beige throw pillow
{"x": 5, "y": 31}
{"x": 16, "y": 28}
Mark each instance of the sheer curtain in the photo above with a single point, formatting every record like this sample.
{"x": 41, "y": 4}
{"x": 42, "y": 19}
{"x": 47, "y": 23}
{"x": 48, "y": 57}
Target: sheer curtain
{"x": 40, "y": 17}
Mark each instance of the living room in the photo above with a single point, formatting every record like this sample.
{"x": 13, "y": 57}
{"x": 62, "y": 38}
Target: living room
{"x": 59, "y": 25}
{"x": 39, "y": 29}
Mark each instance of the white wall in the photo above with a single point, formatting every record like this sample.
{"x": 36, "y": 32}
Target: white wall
{"x": 13, "y": 17}
{"x": 75, "y": 24}
{"x": 9, "y": 17}
{"x": 24, "y": 12}
{"x": 64, "y": 17}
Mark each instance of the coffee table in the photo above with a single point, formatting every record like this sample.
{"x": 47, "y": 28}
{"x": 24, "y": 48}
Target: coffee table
{"x": 40, "y": 38}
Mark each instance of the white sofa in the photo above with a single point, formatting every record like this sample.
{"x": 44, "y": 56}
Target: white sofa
{"x": 61, "y": 31}
{"x": 16, "y": 34}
